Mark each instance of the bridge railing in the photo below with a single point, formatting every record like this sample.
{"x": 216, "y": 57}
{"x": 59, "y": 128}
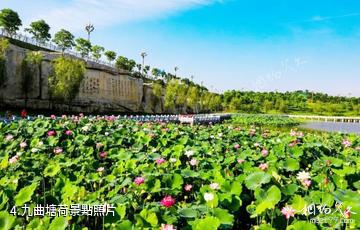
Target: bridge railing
{"x": 51, "y": 46}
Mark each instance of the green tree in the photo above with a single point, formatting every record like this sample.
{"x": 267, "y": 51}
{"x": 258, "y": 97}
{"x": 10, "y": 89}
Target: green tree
{"x": 83, "y": 46}
{"x": 110, "y": 55}
{"x": 146, "y": 69}
{"x": 170, "y": 95}
{"x": 40, "y": 31}
{"x": 97, "y": 51}
{"x": 10, "y": 21}
{"x": 35, "y": 59}
{"x": 215, "y": 103}
{"x": 65, "y": 82}
{"x": 283, "y": 107}
{"x": 4, "y": 45}
{"x": 181, "y": 95}
{"x": 193, "y": 96}
{"x": 268, "y": 105}
{"x": 157, "y": 90}
{"x": 125, "y": 64}
{"x": 64, "y": 39}
{"x": 31, "y": 65}
{"x": 156, "y": 72}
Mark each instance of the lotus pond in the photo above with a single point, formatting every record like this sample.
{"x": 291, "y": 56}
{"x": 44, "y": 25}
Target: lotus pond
{"x": 168, "y": 176}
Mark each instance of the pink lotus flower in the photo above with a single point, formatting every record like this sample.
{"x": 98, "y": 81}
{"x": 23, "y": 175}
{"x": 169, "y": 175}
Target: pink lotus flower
{"x": 53, "y": 117}
{"x": 300, "y": 134}
{"x": 252, "y": 132}
{"x": 167, "y": 227}
{"x": 188, "y": 187}
{"x": 347, "y": 213}
{"x": 68, "y": 132}
{"x": 168, "y": 201}
{"x": 139, "y": 180}
{"x": 14, "y": 159}
{"x": 240, "y": 161}
{"x": 9, "y": 137}
{"x": 102, "y": 155}
{"x": 307, "y": 183}
{"x": 293, "y": 133}
{"x": 288, "y": 212}
{"x": 51, "y": 133}
{"x": 236, "y": 146}
{"x": 257, "y": 145}
{"x": 264, "y": 166}
{"x": 346, "y": 143}
{"x": 193, "y": 162}
{"x": 264, "y": 152}
{"x": 23, "y": 144}
{"x": 100, "y": 170}
{"x": 64, "y": 117}
{"x": 58, "y": 150}
{"x": 81, "y": 115}
{"x": 357, "y": 148}
{"x": 160, "y": 161}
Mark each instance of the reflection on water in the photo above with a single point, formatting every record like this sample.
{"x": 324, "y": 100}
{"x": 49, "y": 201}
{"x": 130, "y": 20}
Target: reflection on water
{"x": 333, "y": 127}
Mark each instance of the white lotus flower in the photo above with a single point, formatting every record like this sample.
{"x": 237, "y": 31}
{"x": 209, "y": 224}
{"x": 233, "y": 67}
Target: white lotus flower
{"x": 189, "y": 153}
{"x": 172, "y": 160}
{"x": 214, "y": 186}
{"x": 9, "y": 137}
{"x": 208, "y": 197}
{"x": 86, "y": 128}
{"x": 35, "y": 150}
{"x": 302, "y": 176}
{"x": 193, "y": 162}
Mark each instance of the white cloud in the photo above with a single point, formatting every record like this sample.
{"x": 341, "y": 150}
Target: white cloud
{"x": 318, "y": 18}
{"x": 76, "y": 13}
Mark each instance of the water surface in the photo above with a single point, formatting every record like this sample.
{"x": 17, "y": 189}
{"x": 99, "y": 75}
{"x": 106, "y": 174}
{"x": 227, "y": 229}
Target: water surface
{"x": 333, "y": 127}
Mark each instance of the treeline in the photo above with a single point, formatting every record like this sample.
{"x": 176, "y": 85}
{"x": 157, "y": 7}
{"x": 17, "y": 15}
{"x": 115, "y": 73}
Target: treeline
{"x": 180, "y": 94}
{"x": 39, "y": 30}
{"x": 290, "y": 102}
{"x": 185, "y": 96}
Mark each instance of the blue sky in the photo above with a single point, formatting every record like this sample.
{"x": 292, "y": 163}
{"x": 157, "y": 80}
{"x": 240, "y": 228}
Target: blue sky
{"x": 226, "y": 44}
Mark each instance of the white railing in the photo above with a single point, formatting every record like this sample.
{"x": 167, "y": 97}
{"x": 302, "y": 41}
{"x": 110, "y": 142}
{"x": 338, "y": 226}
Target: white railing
{"x": 51, "y": 46}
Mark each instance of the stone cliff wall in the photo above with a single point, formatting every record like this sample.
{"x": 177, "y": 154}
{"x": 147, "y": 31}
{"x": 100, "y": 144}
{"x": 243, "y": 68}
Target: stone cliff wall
{"x": 103, "y": 89}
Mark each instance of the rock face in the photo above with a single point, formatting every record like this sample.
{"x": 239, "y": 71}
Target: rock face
{"x": 103, "y": 89}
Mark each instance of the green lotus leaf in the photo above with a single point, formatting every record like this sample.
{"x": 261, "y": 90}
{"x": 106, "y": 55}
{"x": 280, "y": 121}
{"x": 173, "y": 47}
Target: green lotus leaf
{"x": 4, "y": 162}
{"x": 255, "y": 180}
{"x": 208, "y": 223}
{"x": 224, "y": 216}
{"x": 291, "y": 164}
{"x": 52, "y": 169}
{"x": 25, "y": 194}
{"x": 59, "y": 223}
{"x": 125, "y": 225}
{"x": 177, "y": 181}
{"x": 188, "y": 213}
{"x": 272, "y": 197}
{"x": 302, "y": 225}
{"x": 121, "y": 211}
{"x": 298, "y": 203}
{"x": 147, "y": 219}
{"x": 6, "y": 220}
{"x": 290, "y": 189}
